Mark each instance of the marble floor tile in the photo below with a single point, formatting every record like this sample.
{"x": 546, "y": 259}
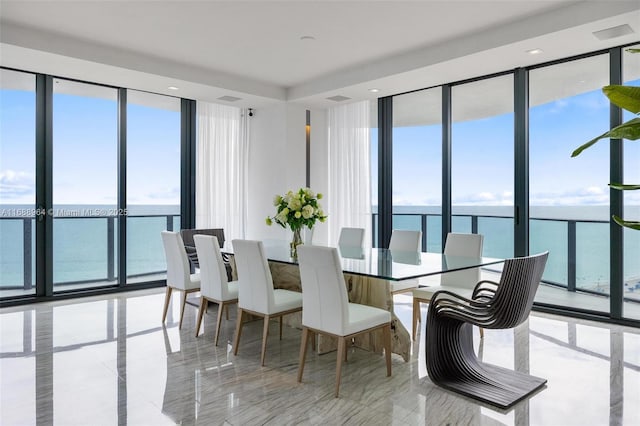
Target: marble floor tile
{"x": 109, "y": 360}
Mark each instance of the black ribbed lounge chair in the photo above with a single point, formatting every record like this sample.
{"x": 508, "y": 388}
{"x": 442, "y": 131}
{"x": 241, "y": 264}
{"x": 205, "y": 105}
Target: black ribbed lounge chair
{"x": 451, "y": 360}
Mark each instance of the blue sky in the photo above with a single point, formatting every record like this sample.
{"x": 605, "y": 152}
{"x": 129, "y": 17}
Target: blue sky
{"x": 85, "y": 151}
{"x": 482, "y": 158}
{"x": 84, "y": 163}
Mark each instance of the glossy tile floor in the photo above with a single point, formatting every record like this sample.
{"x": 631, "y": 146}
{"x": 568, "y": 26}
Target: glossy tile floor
{"x": 108, "y": 360}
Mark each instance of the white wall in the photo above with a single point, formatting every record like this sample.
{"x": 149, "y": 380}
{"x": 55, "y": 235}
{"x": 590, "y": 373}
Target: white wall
{"x": 277, "y": 159}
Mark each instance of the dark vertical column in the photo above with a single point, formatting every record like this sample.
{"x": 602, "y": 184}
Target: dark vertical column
{"x": 521, "y": 163}
{"x": 616, "y": 206}
{"x": 385, "y": 170}
{"x": 571, "y": 255}
{"x": 307, "y": 129}
{"x": 188, "y": 164}
{"x": 122, "y": 187}
{"x": 446, "y": 162}
{"x": 44, "y": 187}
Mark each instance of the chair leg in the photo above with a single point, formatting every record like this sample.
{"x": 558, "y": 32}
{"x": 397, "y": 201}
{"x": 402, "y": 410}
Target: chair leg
{"x": 184, "y": 302}
{"x": 203, "y": 308}
{"x": 386, "y": 332}
{"x": 281, "y": 326}
{"x": 227, "y": 312}
{"x": 416, "y": 317}
{"x": 265, "y": 333}
{"x": 221, "y": 307}
{"x": 167, "y": 298}
{"x": 303, "y": 352}
{"x": 236, "y": 340}
{"x": 313, "y": 340}
{"x": 341, "y": 354}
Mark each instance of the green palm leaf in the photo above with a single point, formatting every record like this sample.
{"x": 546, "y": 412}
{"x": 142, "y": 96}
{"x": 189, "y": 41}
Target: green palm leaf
{"x": 623, "y": 187}
{"x": 629, "y": 130}
{"x": 627, "y": 97}
{"x": 627, "y": 223}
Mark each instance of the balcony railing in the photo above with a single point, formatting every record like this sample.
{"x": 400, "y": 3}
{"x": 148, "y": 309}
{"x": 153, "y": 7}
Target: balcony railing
{"x": 567, "y": 265}
{"x": 110, "y": 238}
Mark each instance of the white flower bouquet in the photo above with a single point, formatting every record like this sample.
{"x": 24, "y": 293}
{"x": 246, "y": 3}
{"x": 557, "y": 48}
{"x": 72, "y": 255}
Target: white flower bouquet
{"x": 297, "y": 209}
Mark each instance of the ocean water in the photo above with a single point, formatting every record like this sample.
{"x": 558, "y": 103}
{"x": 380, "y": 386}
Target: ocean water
{"x": 549, "y": 230}
{"x": 81, "y": 238}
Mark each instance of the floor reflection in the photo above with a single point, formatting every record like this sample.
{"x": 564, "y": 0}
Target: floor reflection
{"x": 108, "y": 360}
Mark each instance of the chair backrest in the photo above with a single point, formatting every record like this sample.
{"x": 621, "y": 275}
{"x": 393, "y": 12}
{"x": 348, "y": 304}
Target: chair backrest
{"x": 351, "y": 237}
{"x": 178, "y": 270}
{"x": 405, "y": 240}
{"x": 213, "y": 275}
{"x": 255, "y": 284}
{"x": 324, "y": 293}
{"x": 514, "y": 296}
{"x": 187, "y": 235}
{"x": 469, "y": 245}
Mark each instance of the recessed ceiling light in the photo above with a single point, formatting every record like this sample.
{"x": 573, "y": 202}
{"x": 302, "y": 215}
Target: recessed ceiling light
{"x": 307, "y": 37}
{"x": 374, "y": 90}
{"x": 534, "y": 51}
{"x": 172, "y": 88}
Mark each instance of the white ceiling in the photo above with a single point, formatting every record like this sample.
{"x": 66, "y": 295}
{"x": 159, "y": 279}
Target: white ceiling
{"x": 253, "y": 50}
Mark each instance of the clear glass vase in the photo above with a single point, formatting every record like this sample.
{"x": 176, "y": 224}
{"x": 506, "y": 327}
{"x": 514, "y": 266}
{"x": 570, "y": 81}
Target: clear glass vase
{"x": 296, "y": 240}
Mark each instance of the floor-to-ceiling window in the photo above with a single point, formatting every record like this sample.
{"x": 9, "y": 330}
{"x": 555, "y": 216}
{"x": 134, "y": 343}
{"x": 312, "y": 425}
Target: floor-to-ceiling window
{"x": 417, "y": 165}
{"x": 85, "y": 184}
{"x": 631, "y": 252}
{"x": 89, "y": 158}
{"x": 569, "y": 197}
{"x": 512, "y": 135}
{"x": 153, "y": 181}
{"x": 17, "y": 182}
{"x": 482, "y": 162}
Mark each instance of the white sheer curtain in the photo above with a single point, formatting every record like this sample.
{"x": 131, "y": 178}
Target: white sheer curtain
{"x": 222, "y": 165}
{"x": 349, "y": 198}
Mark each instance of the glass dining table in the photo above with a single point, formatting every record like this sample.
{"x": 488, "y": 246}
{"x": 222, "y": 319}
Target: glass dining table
{"x": 367, "y": 274}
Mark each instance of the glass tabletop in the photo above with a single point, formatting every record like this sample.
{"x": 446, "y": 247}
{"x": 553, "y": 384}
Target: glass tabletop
{"x": 384, "y": 263}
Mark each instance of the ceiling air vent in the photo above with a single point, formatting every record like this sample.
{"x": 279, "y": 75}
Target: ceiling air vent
{"x": 228, "y": 98}
{"x": 338, "y": 98}
{"x": 613, "y": 32}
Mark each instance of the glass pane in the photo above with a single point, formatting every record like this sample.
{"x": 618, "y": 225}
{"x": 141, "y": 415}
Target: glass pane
{"x": 482, "y": 161}
{"x": 417, "y": 161}
{"x": 631, "y": 291}
{"x": 17, "y": 183}
{"x": 569, "y": 196}
{"x": 153, "y": 181}
{"x": 85, "y": 147}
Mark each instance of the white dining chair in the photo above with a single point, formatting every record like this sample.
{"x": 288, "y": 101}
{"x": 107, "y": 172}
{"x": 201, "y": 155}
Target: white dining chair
{"x": 458, "y": 282}
{"x": 256, "y": 294}
{"x": 351, "y": 237}
{"x": 404, "y": 241}
{"x": 326, "y": 307}
{"x": 179, "y": 275}
{"x": 214, "y": 286}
